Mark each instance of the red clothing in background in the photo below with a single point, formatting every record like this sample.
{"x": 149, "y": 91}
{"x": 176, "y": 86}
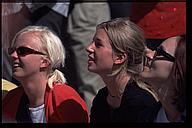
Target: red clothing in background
{"x": 160, "y": 20}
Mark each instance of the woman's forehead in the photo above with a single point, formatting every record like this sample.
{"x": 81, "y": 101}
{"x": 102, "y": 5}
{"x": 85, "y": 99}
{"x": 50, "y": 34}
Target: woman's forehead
{"x": 28, "y": 38}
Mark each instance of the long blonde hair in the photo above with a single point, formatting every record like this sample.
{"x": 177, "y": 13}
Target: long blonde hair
{"x": 127, "y": 37}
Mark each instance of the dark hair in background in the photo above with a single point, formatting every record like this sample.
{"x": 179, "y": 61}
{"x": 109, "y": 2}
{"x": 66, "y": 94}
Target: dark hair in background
{"x": 179, "y": 74}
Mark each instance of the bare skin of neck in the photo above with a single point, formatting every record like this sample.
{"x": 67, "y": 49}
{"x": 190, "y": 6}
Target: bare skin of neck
{"x": 35, "y": 90}
{"x": 116, "y": 85}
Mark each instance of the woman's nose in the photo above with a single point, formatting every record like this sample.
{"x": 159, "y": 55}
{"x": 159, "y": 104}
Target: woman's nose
{"x": 149, "y": 57}
{"x": 90, "y": 48}
{"x": 13, "y": 55}
{"x": 149, "y": 53}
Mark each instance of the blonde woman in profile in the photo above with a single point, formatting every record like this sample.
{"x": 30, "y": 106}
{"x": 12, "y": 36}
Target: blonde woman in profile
{"x": 43, "y": 96}
{"x": 117, "y": 54}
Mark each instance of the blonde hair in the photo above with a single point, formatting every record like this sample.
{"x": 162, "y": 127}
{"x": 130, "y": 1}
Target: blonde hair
{"x": 147, "y": 87}
{"x": 126, "y": 37}
{"x": 51, "y": 45}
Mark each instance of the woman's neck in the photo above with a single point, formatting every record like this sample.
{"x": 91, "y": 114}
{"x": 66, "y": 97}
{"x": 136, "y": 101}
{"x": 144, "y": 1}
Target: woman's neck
{"x": 35, "y": 90}
{"x": 116, "y": 86}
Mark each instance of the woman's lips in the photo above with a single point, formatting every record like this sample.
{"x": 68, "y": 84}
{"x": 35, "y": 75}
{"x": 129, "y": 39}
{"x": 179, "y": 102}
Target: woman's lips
{"x": 90, "y": 59}
{"x": 16, "y": 65}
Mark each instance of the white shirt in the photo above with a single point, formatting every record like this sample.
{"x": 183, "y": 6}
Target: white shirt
{"x": 38, "y": 114}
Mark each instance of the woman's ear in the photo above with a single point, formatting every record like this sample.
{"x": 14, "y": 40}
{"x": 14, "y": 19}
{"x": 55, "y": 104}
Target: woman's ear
{"x": 45, "y": 62}
{"x": 120, "y": 58}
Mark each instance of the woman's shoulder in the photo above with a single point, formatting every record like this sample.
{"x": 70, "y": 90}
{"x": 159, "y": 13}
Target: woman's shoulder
{"x": 11, "y": 99}
{"x": 102, "y": 93}
{"x": 14, "y": 93}
{"x": 103, "y": 90}
{"x": 64, "y": 90}
{"x": 133, "y": 91}
{"x": 64, "y": 98}
{"x": 100, "y": 98}
{"x": 150, "y": 113}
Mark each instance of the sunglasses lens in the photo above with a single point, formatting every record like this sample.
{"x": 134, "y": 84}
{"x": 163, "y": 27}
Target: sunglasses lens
{"x": 22, "y": 51}
{"x": 161, "y": 52}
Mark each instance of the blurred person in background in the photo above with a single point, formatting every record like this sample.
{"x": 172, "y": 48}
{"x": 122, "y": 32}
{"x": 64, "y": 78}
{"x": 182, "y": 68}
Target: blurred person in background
{"x": 11, "y": 12}
{"x": 163, "y": 23}
{"x": 159, "y": 20}
{"x": 167, "y": 63}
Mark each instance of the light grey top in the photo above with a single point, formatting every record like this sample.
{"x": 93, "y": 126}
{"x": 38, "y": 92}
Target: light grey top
{"x": 38, "y": 114}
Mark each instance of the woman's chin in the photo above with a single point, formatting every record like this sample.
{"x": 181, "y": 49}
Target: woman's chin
{"x": 92, "y": 69}
{"x": 17, "y": 76}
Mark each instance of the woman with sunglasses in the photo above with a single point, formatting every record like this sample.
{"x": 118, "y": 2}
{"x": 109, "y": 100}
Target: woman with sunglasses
{"x": 43, "y": 97}
{"x": 158, "y": 63}
{"x": 165, "y": 72}
{"x": 116, "y": 54}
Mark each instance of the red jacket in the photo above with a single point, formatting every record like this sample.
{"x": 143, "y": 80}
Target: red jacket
{"x": 160, "y": 20}
{"x": 62, "y": 105}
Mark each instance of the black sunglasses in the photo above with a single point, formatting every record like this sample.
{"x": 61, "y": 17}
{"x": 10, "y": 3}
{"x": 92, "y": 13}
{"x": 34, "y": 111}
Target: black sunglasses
{"x": 23, "y": 51}
{"x": 158, "y": 52}
{"x": 161, "y": 52}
